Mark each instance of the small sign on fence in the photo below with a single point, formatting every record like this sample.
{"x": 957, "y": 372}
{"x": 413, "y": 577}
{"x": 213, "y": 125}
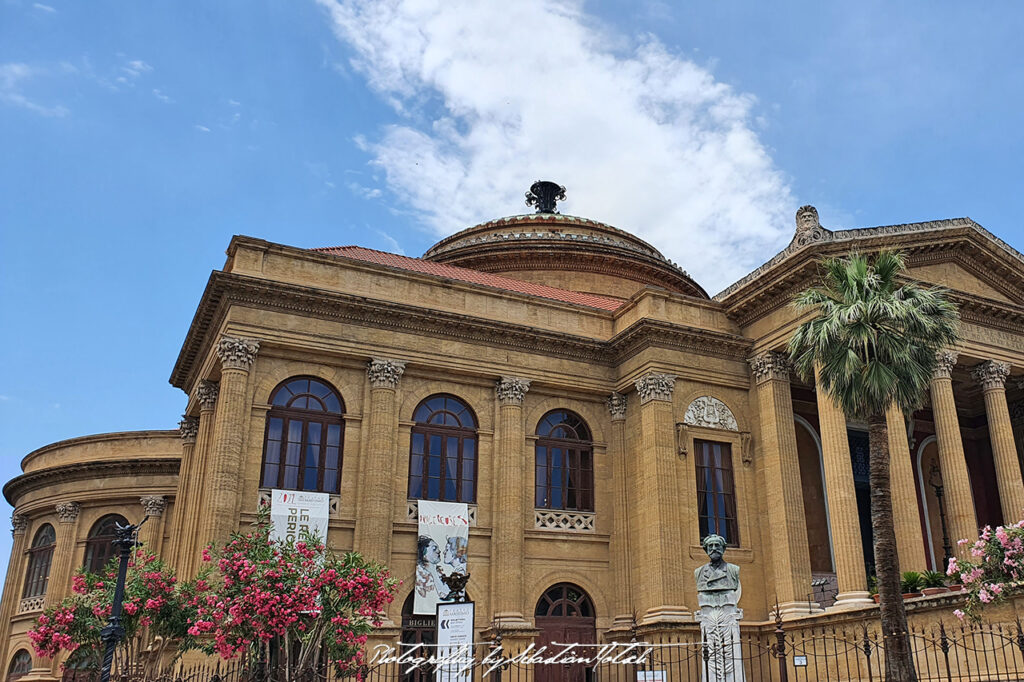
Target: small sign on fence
{"x": 650, "y": 676}
{"x": 455, "y": 637}
{"x": 800, "y": 661}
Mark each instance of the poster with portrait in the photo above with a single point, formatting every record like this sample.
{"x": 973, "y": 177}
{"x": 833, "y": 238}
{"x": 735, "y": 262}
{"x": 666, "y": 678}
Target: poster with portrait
{"x": 441, "y": 549}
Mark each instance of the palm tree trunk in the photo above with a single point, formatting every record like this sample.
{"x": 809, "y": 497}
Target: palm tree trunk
{"x": 899, "y": 664}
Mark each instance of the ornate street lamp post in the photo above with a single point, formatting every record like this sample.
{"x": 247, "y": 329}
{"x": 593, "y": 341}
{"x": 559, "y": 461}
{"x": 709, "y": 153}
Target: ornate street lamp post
{"x": 113, "y": 632}
{"x": 935, "y": 481}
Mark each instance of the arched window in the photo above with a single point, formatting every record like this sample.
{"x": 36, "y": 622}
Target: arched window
{"x": 302, "y": 447}
{"x": 442, "y": 457}
{"x": 565, "y": 601}
{"x": 39, "y": 557}
{"x": 564, "y": 457}
{"x": 20, "y": 665}
{"x": 99, "y": 547}
{"x": 716, "y": 496}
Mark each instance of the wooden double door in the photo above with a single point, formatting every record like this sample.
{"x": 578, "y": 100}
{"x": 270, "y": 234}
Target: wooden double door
{"x": 565, "y": 615}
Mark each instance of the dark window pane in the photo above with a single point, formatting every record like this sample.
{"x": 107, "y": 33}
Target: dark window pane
{"x": 272, "y": 454}
{"x": 449, "y": 490}
{"x": 417, "y": 443}
{"x": 291, "y": 477}
{"x": 330, "y": 480}
{"x": 332, "y": 404}
{"x": 469, "y": 448}
{"x": 333, "y": 455}
{"x": 274, "y": 428}
{"x": 270, "y": 474}
{"x": 416, "y": 465}
{"x": 434, "y": 466}
{"x": 433, "y": 489}
{"x": 467, "y": 492}
{"x": 435, "y": 445}
{"x": 468, "y": 470}
{"x": 292, "y": 454}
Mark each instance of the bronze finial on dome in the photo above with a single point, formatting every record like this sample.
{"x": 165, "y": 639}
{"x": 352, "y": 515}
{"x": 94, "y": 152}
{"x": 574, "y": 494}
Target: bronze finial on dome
{"x": 545, "y": 195}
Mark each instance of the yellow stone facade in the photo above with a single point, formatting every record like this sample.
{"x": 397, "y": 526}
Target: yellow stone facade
{"x": 629, "y": 343}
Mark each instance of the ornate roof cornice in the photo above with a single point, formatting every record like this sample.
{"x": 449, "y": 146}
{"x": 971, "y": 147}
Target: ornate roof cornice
{"x": 170, "y": 434}
{"x": 87, "y": 471}
{"x": 657, "y": 334}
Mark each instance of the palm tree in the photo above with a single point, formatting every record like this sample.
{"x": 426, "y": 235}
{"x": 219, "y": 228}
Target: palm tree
{"x": 873, "y": 340}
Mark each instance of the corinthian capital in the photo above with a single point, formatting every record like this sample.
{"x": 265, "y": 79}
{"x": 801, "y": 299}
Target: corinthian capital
{"x": 206, "y": 394}
{"x": 188, "y": 427}
{"x": 237, "y": 352}
{"x": 617, "y": 406}
{"x": 945, "y": 361}
{"x": 655, "y": 386}
{"x": 991, "y": 374}
{"x": 19, "y": 522}
{"x": 770, "y": 365}
{"x": 67, "y": 512}
{"x": 384, "y": 373}
{"x": 511, "y": 390}
{"x": 153, "y": 504}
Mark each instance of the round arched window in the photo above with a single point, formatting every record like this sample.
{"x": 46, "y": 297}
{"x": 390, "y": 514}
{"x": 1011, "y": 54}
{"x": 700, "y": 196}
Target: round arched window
{"x": 20, "y": 665}
{"x": 305, "y": 432}
{"x": 40, "y": 555}
{"x": 442, "y": 456}
{"x": 564, "y": 457}
{"x": 99, "y": 547}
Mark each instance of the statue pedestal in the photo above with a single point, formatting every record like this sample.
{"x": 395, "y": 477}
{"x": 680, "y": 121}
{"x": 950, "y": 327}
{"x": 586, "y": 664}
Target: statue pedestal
{"x": 720, "y": 632}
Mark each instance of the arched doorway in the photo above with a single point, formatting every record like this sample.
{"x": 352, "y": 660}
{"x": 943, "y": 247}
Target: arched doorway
{"x": 564, "y": 614}
{"x": 418, "y": 630}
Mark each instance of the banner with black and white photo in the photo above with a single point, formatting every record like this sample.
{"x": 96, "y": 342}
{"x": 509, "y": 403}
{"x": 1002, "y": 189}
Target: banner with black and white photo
{"x": 441, "y": 550}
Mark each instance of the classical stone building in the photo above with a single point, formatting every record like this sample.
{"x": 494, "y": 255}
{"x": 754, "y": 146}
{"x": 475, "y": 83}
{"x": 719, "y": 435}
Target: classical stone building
{"x": 597, "y": 410}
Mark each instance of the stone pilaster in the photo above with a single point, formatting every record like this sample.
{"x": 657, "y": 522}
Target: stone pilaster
{"x": 373, "y": 522}
{"x": 787, "y": 528}
{"x": 959, "y": 499}
{"x": 192, "y": 507}
{"x": 151, "y": 534}
{"x": 510, "y": 512}
{"x": 992, "y": 378}
{"x": 622, "y": 607}
{"x": 15, "y": 572}
{"x": 842, "y": 505}
{"x": 658, "y": 528}
{"x": 188, "y": 428}
{"x": 223, "y": 486}
{"x": 63, "y": 553}
{"x": 910, "y": 547}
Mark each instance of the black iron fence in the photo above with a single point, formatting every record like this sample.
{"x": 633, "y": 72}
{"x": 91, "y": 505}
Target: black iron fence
{"x": 941, "y": 654}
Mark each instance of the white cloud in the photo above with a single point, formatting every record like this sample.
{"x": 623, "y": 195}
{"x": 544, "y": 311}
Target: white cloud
{"x": 43, "y": 8}
{"x": 12, "y": 75}
{"x": 162, "y": 97}
{"x": 496, "y": 95}
{"x": 203, "y": 129}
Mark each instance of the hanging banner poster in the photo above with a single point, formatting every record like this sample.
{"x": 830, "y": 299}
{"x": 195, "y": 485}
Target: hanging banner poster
{"x": 455, "y": 641}
{"x": 291, "y": 511}
{"x": 440, "y": 550}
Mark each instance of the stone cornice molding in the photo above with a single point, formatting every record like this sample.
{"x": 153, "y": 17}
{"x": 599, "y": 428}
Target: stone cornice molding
{"x": 385, "y": 373}
{"x": 19, "y": 522}
{"x": 237, "y": 352}
{"x": 189, "y": 428}
{"x": 655, "y": 386}
{"x": 511, "y": 390}
{"x": 945, "y": 361}
{"x": 206, "y": 394}
{"x": 991, "y": 375}
{"x": 770, "y": 366}
{"x": 617, "y": 406}
{"x": 67, "y": 512}
{"x": 153, "y": 504}
{"x": 665, "y": 335}
{"x": 87, "y": 472}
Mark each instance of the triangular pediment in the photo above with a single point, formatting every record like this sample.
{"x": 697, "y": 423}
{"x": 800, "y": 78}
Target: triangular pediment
{"x": 956, "y": 277}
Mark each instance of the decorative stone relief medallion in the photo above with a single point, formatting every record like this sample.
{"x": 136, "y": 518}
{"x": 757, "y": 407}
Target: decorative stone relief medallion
{"x": 710, "y": 413}
{"x": 617, "y": 406}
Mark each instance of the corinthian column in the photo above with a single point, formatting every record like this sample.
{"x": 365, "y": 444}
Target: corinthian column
{"x": 196, "y": 521}
{"x": 373, "y": 522}
{"x": 906, "y": 517}
{"x": 790, "y": 559}
{"x": 151, "y": 535}
{"x": 60, "y": 571}
{"x": 842, "y": 504}
{"x": 225, "y": 468}
{"x": 510, "y": 513}
{"x": 658, "y": 525}
{"x": 958, "y": 498}
{"x": 15, "y": 571}
{"x": 992, "y": 377}
{"x": 622, "y": 607}
{"x": 188, "y": 428}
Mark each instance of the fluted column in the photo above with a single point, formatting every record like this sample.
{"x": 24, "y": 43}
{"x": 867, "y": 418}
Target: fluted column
{"x": 910, "y": 547}
{"x": 622, "y": 608}
{"x": 15, "y": 572}
{"x": 196, "y": 522}
{"x": 958, "y": 498}
{"x": 842, "y": 505}
{"x": 659, "y": 529}
{"x": 510, "y": 513}
{"x": 787, "y": 527}
{"x": 151, "y": 534}
{"x": 188, "y": 429}
{"x": 992, "y": 377}
{"x": 223, "y": 487}
{"x": 59, "y": 585}
{"x": 373, "y": 522}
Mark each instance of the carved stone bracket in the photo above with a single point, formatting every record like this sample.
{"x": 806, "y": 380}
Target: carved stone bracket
{"x": 747, "y": 448}
{"x": 188, "y": 427}
{"x": 153, "y": 504}
{"x": 206, "y": 394}
{"x": 710, "y": 413}
{"x": 385, "y": 373}
{"x": 67, "y": 512}
{"x": 19, "y": 522}
{"x": 770, "y": 365}
{"x": 655, "y": 386}
{"x": 511, "y": 390}
{"x": 617, "y": 406}
{"x": 236, "y": 352}
{"x": 682, "y": 439}
{"x": 945, "y": 361}
{"x": 991, "y": 375}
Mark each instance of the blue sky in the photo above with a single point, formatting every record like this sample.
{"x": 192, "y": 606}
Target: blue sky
{"x": 137, "y": 138}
